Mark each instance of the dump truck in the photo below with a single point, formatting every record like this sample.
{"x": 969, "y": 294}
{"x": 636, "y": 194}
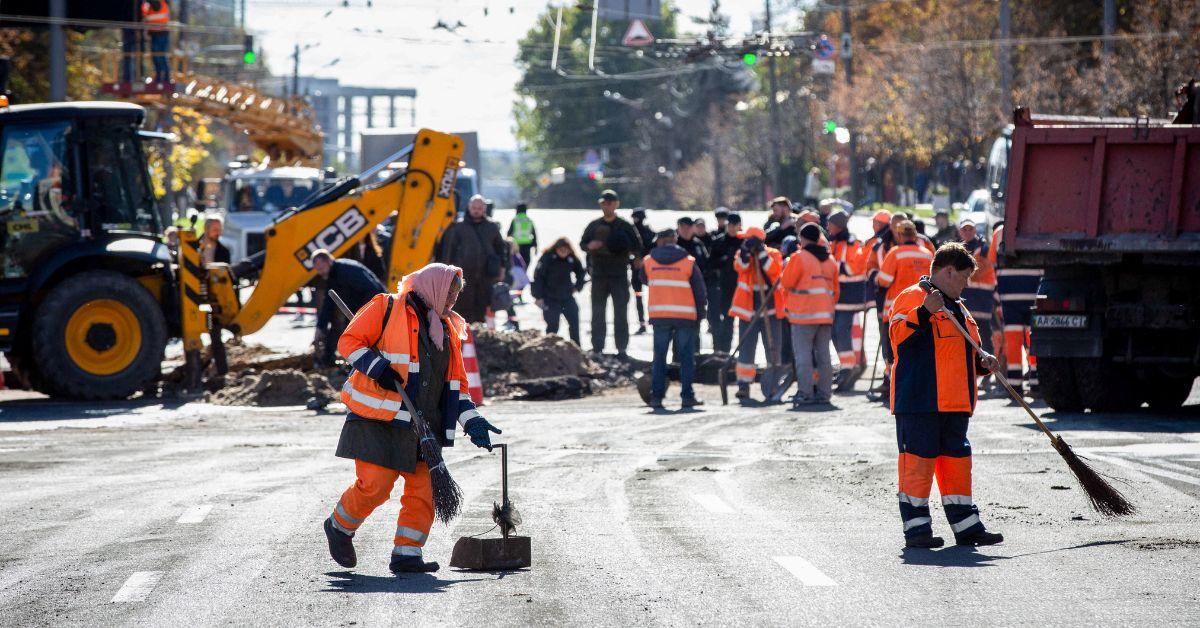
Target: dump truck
{"x": 91, "y": 293}
{"x": 1110, "y": 210}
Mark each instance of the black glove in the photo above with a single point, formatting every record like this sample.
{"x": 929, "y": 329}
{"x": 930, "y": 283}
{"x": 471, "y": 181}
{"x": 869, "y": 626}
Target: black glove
{"x": 753, "y": 243}
{"x": 478, "y": 428}
{"x": 389, "y": 379}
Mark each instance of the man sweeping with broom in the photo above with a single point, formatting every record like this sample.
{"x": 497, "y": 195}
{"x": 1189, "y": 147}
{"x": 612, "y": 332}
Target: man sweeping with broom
{"x": 412, "y": 340}
{"x": 933, "y": 397}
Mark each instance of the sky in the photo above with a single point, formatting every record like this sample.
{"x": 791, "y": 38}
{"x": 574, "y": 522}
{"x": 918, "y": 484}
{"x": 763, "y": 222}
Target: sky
{"x": 460, "y": 86}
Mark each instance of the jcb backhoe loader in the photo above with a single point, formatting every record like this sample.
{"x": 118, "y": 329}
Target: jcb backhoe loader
{"x": 90, "y": 294}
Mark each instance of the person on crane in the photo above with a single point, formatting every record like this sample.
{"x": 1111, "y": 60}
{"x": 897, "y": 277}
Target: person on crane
{"x": 411, "y": 339}
{"x": 157, "y": 13}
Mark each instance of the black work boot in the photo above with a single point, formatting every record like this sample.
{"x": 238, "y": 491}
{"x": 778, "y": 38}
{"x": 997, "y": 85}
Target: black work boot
{"x": 924, "y": 542}
{"x": 341, "y": 545}
{"x": 983, "y": 537}
{"x": 692, "y": 402}
{"x": 743, "y": 392}
{"x": 411, "y": 564}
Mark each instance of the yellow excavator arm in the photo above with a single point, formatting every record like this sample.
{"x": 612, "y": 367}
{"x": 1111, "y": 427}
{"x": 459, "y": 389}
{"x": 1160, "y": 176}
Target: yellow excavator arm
{"x": 421, "y": 197}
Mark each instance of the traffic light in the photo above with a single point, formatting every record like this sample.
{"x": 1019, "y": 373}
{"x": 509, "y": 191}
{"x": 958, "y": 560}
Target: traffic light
{"x": 750, "y": 58}
{"x": 248, "y": 56}
{"x": 830, "y": 126}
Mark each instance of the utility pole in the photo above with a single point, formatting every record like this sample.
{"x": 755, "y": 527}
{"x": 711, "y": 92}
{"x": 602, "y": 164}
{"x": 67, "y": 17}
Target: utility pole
{"x": 848, "y": 62}
{"x": 776, "y": 165}
{"x": 58, "y": 51}
{"x": 296, "y": 71}
{"x": 1004, "y": 58}
{"x": 1110, "y": 27}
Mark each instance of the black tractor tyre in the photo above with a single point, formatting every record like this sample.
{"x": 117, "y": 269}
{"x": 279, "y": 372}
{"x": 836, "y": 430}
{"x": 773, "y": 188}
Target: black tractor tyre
{"x": 1104, "y": 386}
{"x": 1165, "y": 393}
{"x": 58, "y": 374}
{"x": 1056, "y": 376}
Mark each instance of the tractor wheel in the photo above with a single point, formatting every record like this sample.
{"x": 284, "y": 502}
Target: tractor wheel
{"x": 1106, "y": 387}
{"x": 1056, "y": 376}
{"x": 1165, "y": 393}
{"x": 98, "y": 335}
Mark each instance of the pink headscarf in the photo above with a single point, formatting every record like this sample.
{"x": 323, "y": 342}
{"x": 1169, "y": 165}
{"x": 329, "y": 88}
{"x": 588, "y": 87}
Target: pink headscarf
{"x": 432, "y": 283}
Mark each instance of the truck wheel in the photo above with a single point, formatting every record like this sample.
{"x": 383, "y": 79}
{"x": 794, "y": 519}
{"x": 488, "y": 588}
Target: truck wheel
{"x": 1165, "y": 393}
{"x": 98, "y": 335}
{"x": 1057, "y": 379}
{"x": 1106, "y": 387}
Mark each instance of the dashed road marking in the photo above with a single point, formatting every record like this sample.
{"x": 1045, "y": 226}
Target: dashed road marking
{"x": 195, "y": 514}
{"x": 712, "y": 503}
{"x": 138, "y": 586}
{"x": 805, "y": 572}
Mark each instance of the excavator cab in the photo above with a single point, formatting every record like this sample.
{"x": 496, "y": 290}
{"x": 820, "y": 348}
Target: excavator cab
{"x": 83, "y": 270}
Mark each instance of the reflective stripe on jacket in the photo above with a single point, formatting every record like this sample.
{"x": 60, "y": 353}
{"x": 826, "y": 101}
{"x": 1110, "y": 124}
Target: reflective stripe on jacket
{"x": 811, "y": 289}
{"x": 935, "y": 367}
{"x": 750, "y": 280}
{"x": 1013, "y": 284}
{"x": 903, "y": 266}
{"x": 394, "y": 348}
{"x": 670, "y": 288}
{"x": 161, "y": 16}
{"x": 851, "y": 259}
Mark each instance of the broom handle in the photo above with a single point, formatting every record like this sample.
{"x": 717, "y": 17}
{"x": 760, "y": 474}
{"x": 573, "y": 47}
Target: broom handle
{"x": 1000, "y": 377}
{"x": 408, "y": 404}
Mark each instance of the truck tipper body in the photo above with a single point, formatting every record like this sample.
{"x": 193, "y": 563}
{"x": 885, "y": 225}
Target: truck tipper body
{"x": 1110, "y": 210}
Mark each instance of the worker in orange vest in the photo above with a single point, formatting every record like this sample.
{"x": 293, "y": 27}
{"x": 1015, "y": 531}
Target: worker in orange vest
{"x": 411, "y": 339}
{"x": 851, "y": 259}
{"x": 157, "y": 14}
{"x": 904, "y": 264}
{"x": 676, "y": 305}
{"x": 757, "y": 266}
{"x": 810, "y": 282}
{"x": 933, "y": 397}
{"x": 980, "y": 293}
{"x": 1017, "y": 290}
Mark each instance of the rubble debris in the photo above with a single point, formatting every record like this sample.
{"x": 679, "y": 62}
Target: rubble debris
{"x": 532, "y": 364}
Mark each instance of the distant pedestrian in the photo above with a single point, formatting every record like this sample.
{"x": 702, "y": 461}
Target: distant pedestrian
{"x": 712, "y": 282}
{"x": 157, "y": 14}
{"x": 646, "y": 234}
{"x": 946, "y": 232}
{"x": 677, "y": 301}
{"x": 522, "y": 231}
{"x": 558, "y": 276}
{"x": 810, "y": 280}
{"x": 784, "y": 226}
{"x": 725, "y": 247}
{"x": 355, "y": 284}
{"x": 722, "y": 216}
{"x": 475, "y": 245}
{"x": 779, "y": 208}
{"x": 812, "y": 186}
{"x": 609, "y": 242}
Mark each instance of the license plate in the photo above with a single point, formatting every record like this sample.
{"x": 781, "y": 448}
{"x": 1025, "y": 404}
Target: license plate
{"x": 1060, "y": 321}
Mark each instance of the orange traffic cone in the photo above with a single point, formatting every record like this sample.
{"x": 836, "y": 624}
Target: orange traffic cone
{"x": 471, "y": 364}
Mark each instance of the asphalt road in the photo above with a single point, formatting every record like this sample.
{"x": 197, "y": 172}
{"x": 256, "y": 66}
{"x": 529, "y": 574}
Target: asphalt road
{"x": 194, "y": 514}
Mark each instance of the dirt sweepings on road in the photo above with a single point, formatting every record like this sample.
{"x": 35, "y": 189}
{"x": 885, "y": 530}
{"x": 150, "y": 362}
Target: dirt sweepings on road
{"x": 537, "y": 365}
{"x": 283, "y": 387}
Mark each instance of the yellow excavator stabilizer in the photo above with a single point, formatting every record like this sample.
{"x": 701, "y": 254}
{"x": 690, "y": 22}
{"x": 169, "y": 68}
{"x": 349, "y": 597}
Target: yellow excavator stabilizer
{"x": 422, "y": 200}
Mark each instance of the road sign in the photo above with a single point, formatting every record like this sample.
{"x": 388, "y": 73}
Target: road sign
{"x": 823, "y": 49}
{"x": 847, "y": 46}
{"x": 638, "y": 34}
{"x": 823, "y": 66}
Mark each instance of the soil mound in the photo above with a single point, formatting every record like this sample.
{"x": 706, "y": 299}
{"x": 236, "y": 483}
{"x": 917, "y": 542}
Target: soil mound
{"x": 283, "y": 387}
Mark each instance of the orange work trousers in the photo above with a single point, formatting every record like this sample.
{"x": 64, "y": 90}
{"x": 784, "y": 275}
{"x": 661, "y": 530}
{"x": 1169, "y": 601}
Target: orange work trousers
{"x": 372, "y": 488}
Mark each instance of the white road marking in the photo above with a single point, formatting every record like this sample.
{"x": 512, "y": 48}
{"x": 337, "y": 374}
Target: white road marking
{"x": 712, "y": 503}
{"x": 1145, "y": 468}
{"x": 195, "y": 514}
{"x": 805, "y": 572}
{"x": 138, "y": 586}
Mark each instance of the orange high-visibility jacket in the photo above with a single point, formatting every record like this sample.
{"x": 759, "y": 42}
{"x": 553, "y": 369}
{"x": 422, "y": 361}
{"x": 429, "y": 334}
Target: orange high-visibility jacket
{"x": 811, "y": 289}
{"x": 161, "y": 16}
{"x": 935, "y": 367}
{"x": 770, "y": 260}
{"x": 984, "y": 276}
{"x": 670, "y": 288}
{"x": 370, "y": 350}
{"x": 904, "y": 265}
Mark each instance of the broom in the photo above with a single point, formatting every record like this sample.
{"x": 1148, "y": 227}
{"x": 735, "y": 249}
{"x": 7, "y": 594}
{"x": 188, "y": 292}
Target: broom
{"x": 1104, "y": 497}
{"x": 447, "y": 497}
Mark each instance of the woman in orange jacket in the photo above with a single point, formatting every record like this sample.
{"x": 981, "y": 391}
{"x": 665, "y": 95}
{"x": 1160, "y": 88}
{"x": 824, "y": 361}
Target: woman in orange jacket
{"x": 411, "y": 339}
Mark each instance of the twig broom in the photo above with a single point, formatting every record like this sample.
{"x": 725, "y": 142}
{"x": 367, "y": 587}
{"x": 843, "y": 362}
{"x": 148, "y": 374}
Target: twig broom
{"x": 447, "y": 496}
{"x": 1104, "y": 497}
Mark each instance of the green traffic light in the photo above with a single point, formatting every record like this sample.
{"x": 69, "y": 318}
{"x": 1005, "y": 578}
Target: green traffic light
{"x": 749, "y": 58}
{"x": 830, "y": 126}
{"x": 248, "y": 57}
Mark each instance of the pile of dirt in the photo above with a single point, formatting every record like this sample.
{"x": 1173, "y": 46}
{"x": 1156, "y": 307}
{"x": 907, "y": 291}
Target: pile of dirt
{"x": 279, "y": 387}
{"x": 536, "y": 365}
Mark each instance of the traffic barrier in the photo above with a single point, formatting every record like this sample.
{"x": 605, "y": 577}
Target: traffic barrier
{"x": 471, "y": 365}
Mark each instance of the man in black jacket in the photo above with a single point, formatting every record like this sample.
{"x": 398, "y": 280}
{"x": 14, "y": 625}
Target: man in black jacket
{"x": 355, "y": 283}
{"x": 554, "y": 290}
{"x": 724, "y": 247}
{"x": 475, "y": 245}
{"x": 610, "y": 242}
{"x": 647, "y": 236}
